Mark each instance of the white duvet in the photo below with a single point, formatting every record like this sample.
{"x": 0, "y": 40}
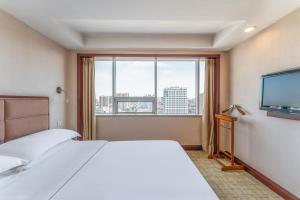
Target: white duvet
{"x": 101, "y": 170}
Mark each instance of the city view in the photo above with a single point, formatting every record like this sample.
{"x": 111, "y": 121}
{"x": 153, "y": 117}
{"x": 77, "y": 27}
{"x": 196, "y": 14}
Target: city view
{"x": 173, "y": 101}
{"x": 136, "y": 84}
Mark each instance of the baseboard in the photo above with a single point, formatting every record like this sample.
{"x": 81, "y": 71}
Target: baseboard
{"x": 268, "y": 182}
{"x": 192, "y": 147}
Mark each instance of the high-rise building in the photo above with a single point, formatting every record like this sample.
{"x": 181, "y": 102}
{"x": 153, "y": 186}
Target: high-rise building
{"x": 175, "y": 100}
{"x": 192, "y": 106}
{"x": 103, "y": 101}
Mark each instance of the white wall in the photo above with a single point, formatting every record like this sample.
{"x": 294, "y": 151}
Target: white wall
{"x": 270, "y": 145}
{"x": 184, "y": 129}
{"x": 149, "y": 41}
{"x": 31, "y": 64}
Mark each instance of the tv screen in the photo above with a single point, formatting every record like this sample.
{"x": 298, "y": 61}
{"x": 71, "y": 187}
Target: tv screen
{"x": 281, "y": 90}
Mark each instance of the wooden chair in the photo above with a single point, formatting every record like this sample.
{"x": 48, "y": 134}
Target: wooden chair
{"x": 225, "y": 154}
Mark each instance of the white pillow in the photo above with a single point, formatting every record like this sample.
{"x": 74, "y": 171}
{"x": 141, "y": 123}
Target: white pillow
{"x": 8, "y": 163}
{"x": 32, "y": 146}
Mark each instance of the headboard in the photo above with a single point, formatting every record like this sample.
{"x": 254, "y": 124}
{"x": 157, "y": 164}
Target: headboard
{"x": 20, "y": 116}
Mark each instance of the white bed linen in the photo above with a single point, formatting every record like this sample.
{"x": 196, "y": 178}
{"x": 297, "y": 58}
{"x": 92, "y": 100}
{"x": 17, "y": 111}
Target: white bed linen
{"x": 50, "y": 172}
{"x": 141, "y": 170}
{"x": 8, "y": 163}
{"x": 32, "y": 146}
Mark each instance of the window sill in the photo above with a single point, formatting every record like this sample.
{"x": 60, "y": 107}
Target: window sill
{"x": 146, "y": 115}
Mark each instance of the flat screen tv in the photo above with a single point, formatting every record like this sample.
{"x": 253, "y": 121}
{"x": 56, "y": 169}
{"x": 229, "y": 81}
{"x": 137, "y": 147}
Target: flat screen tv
{"x": 281, "y": 91}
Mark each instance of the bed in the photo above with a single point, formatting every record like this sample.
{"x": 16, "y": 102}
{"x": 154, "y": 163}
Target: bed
{"x": 95, "y": 170}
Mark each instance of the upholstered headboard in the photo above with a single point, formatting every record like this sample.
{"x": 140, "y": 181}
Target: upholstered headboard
{"x": 20, "y": 116}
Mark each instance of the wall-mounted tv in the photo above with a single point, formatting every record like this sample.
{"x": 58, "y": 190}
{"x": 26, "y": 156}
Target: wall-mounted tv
{"x": 281, "y": 91}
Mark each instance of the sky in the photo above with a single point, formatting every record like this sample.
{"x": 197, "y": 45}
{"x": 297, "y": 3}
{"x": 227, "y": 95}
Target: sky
{"x": 137, "y": 77}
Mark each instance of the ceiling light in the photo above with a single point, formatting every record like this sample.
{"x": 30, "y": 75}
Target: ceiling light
{"x": 249, "y": 29}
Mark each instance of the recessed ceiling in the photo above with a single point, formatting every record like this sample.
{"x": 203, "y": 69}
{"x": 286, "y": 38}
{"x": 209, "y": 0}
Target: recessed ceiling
{"x": 200, "y": 24}
{"x": 145, "y": 26}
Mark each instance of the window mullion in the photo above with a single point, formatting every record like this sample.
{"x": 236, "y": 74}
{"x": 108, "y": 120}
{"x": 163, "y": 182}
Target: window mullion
{"x": 114, "y": 86}
{"x": 155, "y": 87}
{"x": 154, "y": 100}
{"x": 197, "y": 85}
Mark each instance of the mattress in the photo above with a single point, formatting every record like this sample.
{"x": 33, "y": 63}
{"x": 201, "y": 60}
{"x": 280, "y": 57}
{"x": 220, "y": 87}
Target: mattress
{"x": 96, "y": 170}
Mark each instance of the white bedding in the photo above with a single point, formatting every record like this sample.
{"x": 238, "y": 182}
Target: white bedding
{"x": 100, "y": 170}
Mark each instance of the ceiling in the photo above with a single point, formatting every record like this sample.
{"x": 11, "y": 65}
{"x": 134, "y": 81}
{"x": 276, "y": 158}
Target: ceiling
{"x": 198, "y": 24}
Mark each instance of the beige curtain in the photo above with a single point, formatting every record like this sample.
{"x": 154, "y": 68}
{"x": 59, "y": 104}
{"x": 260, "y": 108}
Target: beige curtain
{"x": 207, "y": 136}
{"x": 89, "y": 116}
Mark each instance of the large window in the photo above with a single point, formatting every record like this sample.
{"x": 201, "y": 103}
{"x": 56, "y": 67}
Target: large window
{"x": 104, "y": 86}
{"x": 149, "y": 85}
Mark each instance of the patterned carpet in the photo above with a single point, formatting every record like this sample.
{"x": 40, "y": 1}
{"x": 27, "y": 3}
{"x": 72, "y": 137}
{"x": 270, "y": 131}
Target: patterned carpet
{"x": 230, "y": 185}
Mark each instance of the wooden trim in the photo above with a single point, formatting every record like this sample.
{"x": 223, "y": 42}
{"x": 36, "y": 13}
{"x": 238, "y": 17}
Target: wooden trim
{"x": 268, "y": 182}
{"x": 80, "y": 79}
{"x": 192, "y": 147}
{"x": 22, "y": 97}
{"x": 214, "y": 56}
{"x": 79, "y": 94}
{"x": 224, "y": 117}
{"x": 217, "y": 96}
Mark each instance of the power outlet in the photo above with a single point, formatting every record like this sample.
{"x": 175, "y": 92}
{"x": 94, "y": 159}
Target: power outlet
{"x": 59, "y": 124}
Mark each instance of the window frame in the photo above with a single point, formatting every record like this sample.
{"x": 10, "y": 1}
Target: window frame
{"x": 116, "y": 101}
{"x": 153, "y": 100}
{"x": 79, "y": 77}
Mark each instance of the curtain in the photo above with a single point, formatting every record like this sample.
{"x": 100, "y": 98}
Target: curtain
{"x": 89, "y": 116}
{"x": 207, "y": 136}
